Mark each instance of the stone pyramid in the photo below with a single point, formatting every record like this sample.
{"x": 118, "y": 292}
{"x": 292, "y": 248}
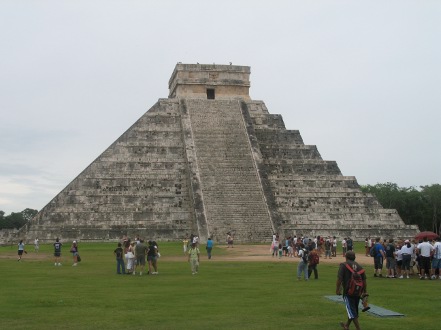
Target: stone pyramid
{"x": 208, "y": 160}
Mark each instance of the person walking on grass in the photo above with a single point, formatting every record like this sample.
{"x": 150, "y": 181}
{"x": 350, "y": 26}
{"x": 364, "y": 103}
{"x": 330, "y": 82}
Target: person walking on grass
{"x": 119, "y": 254}
{"x": 21, "y": 249}
{"x": 351, "y": 299}
{"x": 209, "y": 247}
{"x": 193, "y": 258}
{"x": 36, "y": 245}
{"x": 303, "y": 264}
{"x": 74, "y": 250}
{"x": 57, "y": 251}
{"x": 436, "y": 261}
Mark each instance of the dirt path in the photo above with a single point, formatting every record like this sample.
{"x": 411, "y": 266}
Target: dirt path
{"x": 238, "y": 253}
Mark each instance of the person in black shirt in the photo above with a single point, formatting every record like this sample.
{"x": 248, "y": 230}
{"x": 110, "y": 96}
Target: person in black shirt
{"x": 57, "y": 251}
{"x": 119, "y": 254}
{"x": 351, "y": 301}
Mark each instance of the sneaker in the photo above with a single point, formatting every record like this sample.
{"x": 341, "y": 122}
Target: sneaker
{"x": 407, "y": 276}
{"x": 140, "y": 274}
{"x": 433, "y": 277}
{"x": 55, "y": 264}
{"x": 74, "y": 264}
{"x": 134, "y": 273}
{"x": 59, "y": 264}
{"x": 401, "y": 276}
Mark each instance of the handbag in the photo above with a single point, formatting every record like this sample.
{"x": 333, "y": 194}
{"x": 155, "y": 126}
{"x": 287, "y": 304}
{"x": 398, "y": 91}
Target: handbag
{"x": 78, "y": 258}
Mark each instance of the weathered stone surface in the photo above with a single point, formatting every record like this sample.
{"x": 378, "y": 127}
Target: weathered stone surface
{"x": 209, "y": 160}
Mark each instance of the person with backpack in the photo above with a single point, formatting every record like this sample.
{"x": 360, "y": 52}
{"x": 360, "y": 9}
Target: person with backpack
{"x": 313, "y": 261}
{"x": 303, "y": 264}
{"x": 351, "y": 282}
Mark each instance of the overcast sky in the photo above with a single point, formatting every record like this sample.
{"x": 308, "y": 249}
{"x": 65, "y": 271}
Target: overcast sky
{"x": 359, "y": 79}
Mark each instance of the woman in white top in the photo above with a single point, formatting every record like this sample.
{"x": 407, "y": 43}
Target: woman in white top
{"x": 406, "y": 252}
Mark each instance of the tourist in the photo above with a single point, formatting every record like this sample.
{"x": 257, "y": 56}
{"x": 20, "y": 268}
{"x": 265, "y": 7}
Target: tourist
{"x": 275, "y": 248}
{"x": 367, "y": 246}
{"x": 379, "y": 255}
{"x": 21, "y": 250}
{"x": 344, "y": 246}
{"x": 152, "y": 258}
{"x": 140, "y": 253}
{"x": 209, "y": 247}
{"x": 57, "y": 251}
{"x": 230, "y": 240}
{"x": 334, "y": 246}
{"x": 193, "y": 258}
{"x": 36, "y": 245}
{"x": 303, "y": 264}
{"x": 313, "y": 261}
{"x": 406, "y": 252}
{"x": 349, "y": 244}
{"x": 351, "y": 301}
{"x": 390, "y": 259}
{"x": 425, "y": 250}
{"x": 130, "y": 257}
{"x": 399, "y": 260}
{"x": 436, "y": 261}
{"x": 328, "y": 248}
{"x": 74, "y": 251}
{"x": 185, "y": 245}
{"x": 119, "y": 254}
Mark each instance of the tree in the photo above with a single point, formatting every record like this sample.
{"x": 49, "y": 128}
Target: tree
{"x": 16, "y": 219}
{"x": 433, "y": 196}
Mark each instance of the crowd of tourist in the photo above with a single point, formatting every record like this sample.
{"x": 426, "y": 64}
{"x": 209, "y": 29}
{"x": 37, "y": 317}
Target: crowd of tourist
{"x": 403, "y": 256}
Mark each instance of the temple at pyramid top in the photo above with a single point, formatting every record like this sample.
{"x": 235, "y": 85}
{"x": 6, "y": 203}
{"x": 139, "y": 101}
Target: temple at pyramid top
{"x": 210, "y": 81}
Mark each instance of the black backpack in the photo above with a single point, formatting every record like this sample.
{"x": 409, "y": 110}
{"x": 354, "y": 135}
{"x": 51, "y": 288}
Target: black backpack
{"x": 305, "y": 256}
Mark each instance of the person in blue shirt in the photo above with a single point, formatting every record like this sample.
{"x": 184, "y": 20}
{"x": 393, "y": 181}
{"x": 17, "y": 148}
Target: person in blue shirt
{"x": 209, "y": 247}
{"x": 379, "y": 256}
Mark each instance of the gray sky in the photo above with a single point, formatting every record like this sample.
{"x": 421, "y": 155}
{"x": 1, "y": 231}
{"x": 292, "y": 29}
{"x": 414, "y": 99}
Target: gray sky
{"x": 359, "y": 79}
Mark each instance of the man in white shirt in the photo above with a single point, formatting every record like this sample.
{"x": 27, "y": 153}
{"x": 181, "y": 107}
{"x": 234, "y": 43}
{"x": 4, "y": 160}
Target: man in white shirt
{"x": 425, "y": 249}
{"x": 436, "y": 261}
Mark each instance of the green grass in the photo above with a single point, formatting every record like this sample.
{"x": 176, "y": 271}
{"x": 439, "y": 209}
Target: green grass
{"x": 224, "y": 295}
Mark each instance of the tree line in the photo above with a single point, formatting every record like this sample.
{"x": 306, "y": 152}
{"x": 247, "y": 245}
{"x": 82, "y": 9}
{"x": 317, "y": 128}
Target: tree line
{"x": 16, "y": 219}
{"x": 420, "y": 207}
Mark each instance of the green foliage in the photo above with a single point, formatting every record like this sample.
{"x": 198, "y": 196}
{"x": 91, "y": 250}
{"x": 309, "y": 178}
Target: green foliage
{"x": 419, "y": 207}
{"x": 224, "y": 295}
{"x": 16, "y": 220}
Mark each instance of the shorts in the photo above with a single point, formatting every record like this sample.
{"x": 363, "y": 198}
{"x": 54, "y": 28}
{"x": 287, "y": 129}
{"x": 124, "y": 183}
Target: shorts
{"x": 390, "y": 262}
{"x": 140, "y": 260}
{"x": 378, "y": 262}
{"x": 406, "y": 261}
{"x": 351, "y": 303}
{"x": 399, "y": 263}
{"x": 57, "y": 254}
{"x": 20, "y": 252}
{"x": 436, "y": 263}
{"x": 151, "y": 258}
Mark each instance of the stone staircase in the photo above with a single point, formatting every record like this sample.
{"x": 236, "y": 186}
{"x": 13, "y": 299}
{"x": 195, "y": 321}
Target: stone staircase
{"x": 233, "y": 200}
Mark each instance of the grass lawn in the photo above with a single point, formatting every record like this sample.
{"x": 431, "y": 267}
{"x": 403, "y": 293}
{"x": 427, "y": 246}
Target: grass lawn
{"x": 224, "y": 295}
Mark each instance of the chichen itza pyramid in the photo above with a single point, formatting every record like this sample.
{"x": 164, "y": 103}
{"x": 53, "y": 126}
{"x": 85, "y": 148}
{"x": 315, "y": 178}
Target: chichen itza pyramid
{"x": 209, "y": 160}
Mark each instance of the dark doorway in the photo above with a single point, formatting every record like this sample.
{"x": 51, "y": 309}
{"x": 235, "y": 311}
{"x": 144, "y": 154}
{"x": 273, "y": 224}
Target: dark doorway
{"x": 210, "y": 93}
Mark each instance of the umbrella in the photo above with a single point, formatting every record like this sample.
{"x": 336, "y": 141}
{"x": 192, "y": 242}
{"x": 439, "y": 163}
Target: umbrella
{"x": 429, "y": 234}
